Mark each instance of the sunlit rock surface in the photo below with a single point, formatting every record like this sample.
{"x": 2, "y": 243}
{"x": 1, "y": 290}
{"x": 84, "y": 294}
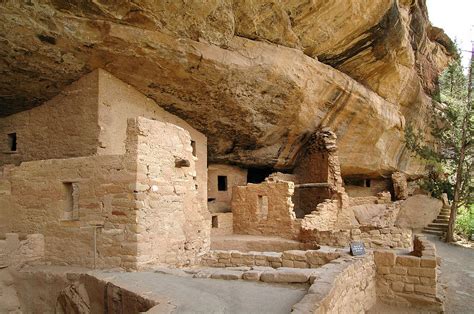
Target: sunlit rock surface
{"x": 257, "y": 77}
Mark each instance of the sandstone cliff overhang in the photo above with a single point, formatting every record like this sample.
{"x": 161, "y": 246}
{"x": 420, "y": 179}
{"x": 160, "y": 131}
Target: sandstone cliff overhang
{"x": 256, "y": 91}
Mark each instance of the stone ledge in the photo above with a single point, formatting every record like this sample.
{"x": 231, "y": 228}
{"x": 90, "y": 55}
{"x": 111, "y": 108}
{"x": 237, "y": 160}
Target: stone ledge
{"x": 289, "y": 259}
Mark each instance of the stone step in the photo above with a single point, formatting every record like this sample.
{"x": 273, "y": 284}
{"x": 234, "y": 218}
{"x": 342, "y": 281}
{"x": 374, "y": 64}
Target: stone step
{"x": 443, "y": 217}
{"x": 443, "y": 221}
{"x": 438, "y": 226}
{"x": 447, "y": 213}
{"x": 436, "y": 232}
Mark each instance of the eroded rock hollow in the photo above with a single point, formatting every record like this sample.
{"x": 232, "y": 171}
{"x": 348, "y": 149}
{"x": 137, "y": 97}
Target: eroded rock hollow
{"x": 256, "y": 77}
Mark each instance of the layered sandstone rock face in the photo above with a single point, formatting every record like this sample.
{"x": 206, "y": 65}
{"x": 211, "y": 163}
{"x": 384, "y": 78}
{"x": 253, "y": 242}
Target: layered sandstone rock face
{"x": 257, "y": 77}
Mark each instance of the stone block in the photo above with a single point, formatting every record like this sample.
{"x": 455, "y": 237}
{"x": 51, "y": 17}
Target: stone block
{"x": 425, "y": 281}
{"x": 412, "y": 279}
{"x": 429, "y": 262}
{"x": 299, "y": 264}
{"x": 294, "y": 255}
{"x": 422, "y": 272}
{"x": 252, "y": 275}
{"x": 409, "y": 261}
{"x": 286, "y": 275}
{"x": 287, "y": 263}
{"x": 409, "y": 287}
{"x": 398, "y": 286}
{"x": 384, "y": 258}
{"x": 383, "y": 270}
{"x": 399, "y": 270}
{"x": 430, "y": 290}
{"x": 227, "y": 274}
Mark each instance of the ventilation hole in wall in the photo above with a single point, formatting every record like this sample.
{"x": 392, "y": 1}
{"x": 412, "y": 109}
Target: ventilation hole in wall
{"x": 215, "y": 223}
{"x": 211, "y": 199}
{"x": 193, "y": 145}
{"x": 367, "y": 183}
{"x": 222, "y": 183}
{"x": 12, "y": 142}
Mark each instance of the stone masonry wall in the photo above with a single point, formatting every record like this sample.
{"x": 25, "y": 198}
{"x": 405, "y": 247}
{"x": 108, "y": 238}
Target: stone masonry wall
{"x": 345, "y": 285}
{"x": 118, "y": 101}
{"x": 391, "y": 237}
{"x": 220, "y": 201}
{"x": 37, "y": 200}
{"x": 65, "y": 126}
{"x": 173, "y": 225}
{"x": 291, "y": 258}
{"x": 265, "y": 209}
{"x": 117, "y": 192}
{"x": 409, "y": 280}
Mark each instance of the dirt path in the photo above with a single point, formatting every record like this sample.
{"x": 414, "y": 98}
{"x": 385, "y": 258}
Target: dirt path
{"x": 457, "y": 276}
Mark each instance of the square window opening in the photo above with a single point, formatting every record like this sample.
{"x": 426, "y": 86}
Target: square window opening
{"x": 12, "y": 142}
{"x": 222, "y": 183}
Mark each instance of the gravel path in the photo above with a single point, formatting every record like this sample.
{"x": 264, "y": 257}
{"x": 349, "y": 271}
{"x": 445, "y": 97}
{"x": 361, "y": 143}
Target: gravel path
{"x": 457, "y": 276}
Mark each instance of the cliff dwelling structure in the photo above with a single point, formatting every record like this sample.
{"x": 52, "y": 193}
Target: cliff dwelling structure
{"x": 177, "y": 157}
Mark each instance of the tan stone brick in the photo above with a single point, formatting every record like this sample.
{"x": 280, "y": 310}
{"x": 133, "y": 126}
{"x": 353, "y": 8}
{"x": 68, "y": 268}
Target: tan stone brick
{"x": 399, "y": 270}
{"x": 412, "y": 279}
{"x": 287, "y": 263}
{"x": 299, "y": 264}
{"x": 425, "y": 281}
{"x": 383, "y": 270}
{"x": 422, "y": 272}
{"x": 428, "y": 262}
{"x": 409, "y": 287}
{"x": 384, "y": 258}
{"x": 426, "y": 289}
{"x": 397, "y": 286}
{"x": 410, "y": 261}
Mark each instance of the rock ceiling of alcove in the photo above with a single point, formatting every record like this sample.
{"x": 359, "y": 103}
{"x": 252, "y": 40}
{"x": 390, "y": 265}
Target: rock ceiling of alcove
{"x": 245, "y": 73}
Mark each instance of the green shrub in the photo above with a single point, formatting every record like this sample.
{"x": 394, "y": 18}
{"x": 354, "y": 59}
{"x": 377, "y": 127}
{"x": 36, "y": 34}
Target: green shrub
{"x": 465, "y": 220}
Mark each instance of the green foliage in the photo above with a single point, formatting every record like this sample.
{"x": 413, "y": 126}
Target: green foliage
{"x": 441, "y": 150}
{"x": 465, "y": 220}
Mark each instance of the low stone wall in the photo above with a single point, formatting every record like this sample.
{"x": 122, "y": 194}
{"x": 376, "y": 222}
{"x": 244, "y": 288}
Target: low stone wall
{"x": 372, "y": 238}
{"x": 409, "y": 280}
{"x": 292, "y": 258}
{"x": 16, "y": 252}
{"x": 345, "y": 285}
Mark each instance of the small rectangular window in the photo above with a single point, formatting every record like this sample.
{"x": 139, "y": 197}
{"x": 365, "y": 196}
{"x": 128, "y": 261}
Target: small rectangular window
{"x": 222, "y": 183}
{"x": 193, "y": 145}
{"x": 367, "y": 183}
{"x": 12, "y": 142}
{"x": 215, "y": 223}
